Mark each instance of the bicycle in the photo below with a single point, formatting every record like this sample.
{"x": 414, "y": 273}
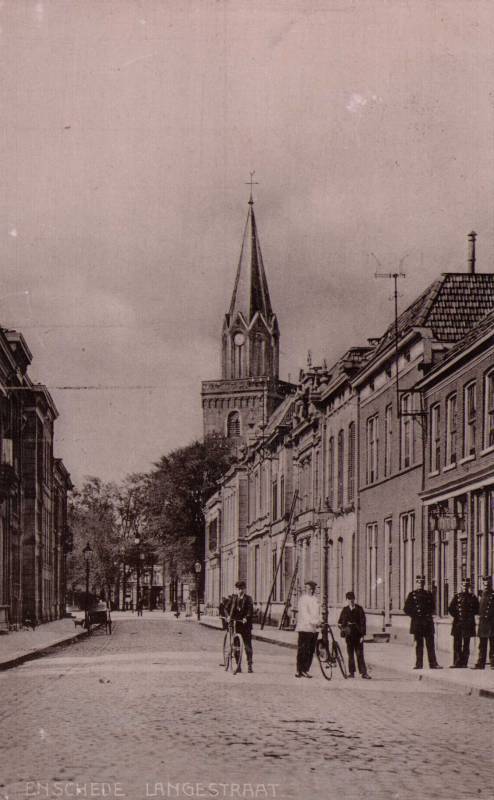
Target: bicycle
{"x": 233, "y": 649}
{"x": 329, "y": 653}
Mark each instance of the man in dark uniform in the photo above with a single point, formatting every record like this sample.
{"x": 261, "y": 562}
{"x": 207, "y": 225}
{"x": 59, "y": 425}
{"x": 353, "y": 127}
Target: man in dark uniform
{"x": 486, "y": 624}
{"x": 241, "y": 611}
{"x": 419, "y": 605}
{"x": 353, "y": 627}
{"x": 463, "y": 608}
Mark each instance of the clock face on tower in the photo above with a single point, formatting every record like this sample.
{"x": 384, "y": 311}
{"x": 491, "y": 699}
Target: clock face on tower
{"x": 239, "y": 339}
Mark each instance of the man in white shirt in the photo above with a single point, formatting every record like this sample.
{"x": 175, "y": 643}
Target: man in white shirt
{"x": 308, "y": 619}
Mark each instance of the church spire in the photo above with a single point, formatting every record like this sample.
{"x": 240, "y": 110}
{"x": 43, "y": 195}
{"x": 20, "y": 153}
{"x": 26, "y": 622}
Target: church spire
{"x": 250, "y": 337}
{"x": 250, "y": 292}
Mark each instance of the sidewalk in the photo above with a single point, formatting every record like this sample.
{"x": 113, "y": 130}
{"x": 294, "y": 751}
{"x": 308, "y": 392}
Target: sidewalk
{"x": 19, "y": 646}
{"x": 399, "y": 657}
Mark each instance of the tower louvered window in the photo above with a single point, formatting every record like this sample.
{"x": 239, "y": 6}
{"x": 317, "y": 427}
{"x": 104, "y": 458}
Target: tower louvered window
{"x": 233, "y": 427}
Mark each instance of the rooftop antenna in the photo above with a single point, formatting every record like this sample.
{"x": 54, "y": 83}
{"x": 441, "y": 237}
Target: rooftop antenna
{"x": 394, "y": 276}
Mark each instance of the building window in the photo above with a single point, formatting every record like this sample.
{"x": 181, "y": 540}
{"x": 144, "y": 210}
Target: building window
{"x": 407, "y": 432}
{"x": 339, "y": 571}
{"x": 470, "y": 419}
{"x": 451, "y": 430}
{"x": 233, "y": 424}
{"x": 331, "y": 473}
{"x": 341, "y": 464}
{"x": 351, "y": 462}
{"x": 372, "y": 449}
{"x": 388, "y": 430}
{"x": 316, "y": 479}
{"x": 388, "y": 544}
{"x": 407, "y": 545}
{"x": 282, "y": 496}
{"x": 489, "y": 409}
{"x": 274, "y": 560}
{"x": 213, "y": 534}
{"x": 435, "y": 438}
{"x": 371, "y": 531}
{"x": 274, "y": 499}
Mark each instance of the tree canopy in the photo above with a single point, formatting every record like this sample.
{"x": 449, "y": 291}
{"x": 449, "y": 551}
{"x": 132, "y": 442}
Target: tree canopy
{"x": 157, "y": 516}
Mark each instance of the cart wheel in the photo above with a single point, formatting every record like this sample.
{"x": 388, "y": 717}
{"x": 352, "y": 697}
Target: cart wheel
{"x": 339, "y": 658}
{"x": 325, "y": 662}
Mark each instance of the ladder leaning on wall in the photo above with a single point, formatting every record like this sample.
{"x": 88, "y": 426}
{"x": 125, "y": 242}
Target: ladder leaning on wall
{"x": 280, "y": 559}
{"x": 284, "y": 617}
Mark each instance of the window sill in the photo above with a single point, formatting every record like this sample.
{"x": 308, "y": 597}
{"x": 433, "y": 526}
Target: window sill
{"x": 487, "y": 450}
{"x": 467, "y": 459}
{"x": 449, "y": 467}
{"x": 433, "y": 474}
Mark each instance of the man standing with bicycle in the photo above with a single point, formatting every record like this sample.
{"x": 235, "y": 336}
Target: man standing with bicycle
{"x": 352, "y": 623}
{"x": 241, "y": 612}
{"x": 308, "y": 620}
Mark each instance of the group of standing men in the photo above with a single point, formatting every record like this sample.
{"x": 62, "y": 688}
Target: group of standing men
{"x": 464, "y": 607}
{"x": 419, "y": 606}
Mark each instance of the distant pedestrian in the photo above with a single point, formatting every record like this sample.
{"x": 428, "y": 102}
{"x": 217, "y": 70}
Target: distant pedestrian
{"x": 108, "y": 616}
{"x": 241, "y": 611}
{"x": 486, "y": 624}
{"x": 139, "y": 607}
{"x": 463, "y": 608}
{"x": 420, "y": 606}
{"x": 352, "y": 623}
{"x": 308, "y": 620}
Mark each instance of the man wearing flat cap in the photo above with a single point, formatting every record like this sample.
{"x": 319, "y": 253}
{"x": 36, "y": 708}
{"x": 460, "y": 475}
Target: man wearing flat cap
{"x": 463, "y": 608}
{"x": 420, "y": 606}
{"x": 353, "y": 627}
{"x": 486, "y": 624}
{"x": 308, "y": 620}
{"x": 241, "y": 611}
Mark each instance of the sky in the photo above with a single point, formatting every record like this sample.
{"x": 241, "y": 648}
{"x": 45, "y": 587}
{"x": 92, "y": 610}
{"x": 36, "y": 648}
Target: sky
{"x": 128, "y": 130}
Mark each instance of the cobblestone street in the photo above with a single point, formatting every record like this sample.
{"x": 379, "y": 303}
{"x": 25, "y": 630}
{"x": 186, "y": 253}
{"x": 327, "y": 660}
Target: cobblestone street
{"x": 148, "y": 712}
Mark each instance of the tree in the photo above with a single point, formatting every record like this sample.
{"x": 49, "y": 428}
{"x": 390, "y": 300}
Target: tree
{"x": 93, "y": 520}
{"x": 177, "y": 490}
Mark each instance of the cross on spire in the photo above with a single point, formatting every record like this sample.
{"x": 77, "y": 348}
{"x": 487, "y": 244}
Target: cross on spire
{"x": 251, "y": 183}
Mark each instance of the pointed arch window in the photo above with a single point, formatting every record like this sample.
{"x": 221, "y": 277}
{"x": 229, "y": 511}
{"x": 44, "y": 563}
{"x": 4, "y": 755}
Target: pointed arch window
{"x": 233, "y": 424}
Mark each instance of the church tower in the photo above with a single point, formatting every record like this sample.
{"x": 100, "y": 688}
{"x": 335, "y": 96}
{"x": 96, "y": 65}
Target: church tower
{"x": 240, "y": 403}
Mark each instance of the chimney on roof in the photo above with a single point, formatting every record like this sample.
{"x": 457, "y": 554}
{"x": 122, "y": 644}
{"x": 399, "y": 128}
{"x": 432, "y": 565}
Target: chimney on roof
{"x": 471, "y": 252}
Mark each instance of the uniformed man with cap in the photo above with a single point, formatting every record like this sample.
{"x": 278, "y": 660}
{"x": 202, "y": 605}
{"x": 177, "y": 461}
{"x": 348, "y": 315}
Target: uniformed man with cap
{"x": 308, "y": 620}
{"x": 352, "y": 623}
{"x": 486, "y": 624}
{"x": 419, "y": 605}
{"x": 241, "y": 611}
{"x": 463, "y": 608}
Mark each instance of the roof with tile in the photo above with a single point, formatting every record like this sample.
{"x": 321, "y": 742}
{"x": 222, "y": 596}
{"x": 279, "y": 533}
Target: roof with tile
{"x": 281, "y": 416}
{"x": 475, "y": 334}
{"x": 451, "y": 307}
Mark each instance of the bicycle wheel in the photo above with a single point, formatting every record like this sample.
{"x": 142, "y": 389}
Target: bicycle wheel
{"x": 325, "y": 661}
{"x": 237, "y": 653}
{"x": 338, "y": 656}
{"x": 227, "y": 656}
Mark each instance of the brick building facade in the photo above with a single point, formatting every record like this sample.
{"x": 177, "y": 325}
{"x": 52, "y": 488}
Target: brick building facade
{"x": 34, "y": 535}
{"x": 379, "y": 467}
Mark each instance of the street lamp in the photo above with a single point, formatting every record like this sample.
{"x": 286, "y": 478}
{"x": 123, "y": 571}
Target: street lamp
{"x": 137, "y": 541}
{"x": 87, "y": 553}
{"x": 197, "y": 569}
